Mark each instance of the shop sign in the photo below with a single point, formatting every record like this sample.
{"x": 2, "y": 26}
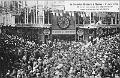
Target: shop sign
{"x": 80, "y": 32}
{"x": 46, "y": 31}
{"x": 93, "y": 6}
{"x": 63, "y": 32}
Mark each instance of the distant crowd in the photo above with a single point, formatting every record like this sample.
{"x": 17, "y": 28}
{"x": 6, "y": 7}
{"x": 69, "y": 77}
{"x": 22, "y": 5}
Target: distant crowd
{"x": 21, "y": 58}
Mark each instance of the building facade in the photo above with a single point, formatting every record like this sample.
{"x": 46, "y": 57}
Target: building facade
{"x": 24, "y": 17}
{"x": 80, "y": 25}
{"x": 59, "y": 23}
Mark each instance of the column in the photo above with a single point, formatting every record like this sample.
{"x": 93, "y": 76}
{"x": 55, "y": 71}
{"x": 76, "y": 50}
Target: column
{"x": 90, "y": 18}
{"x": 25, "y": 15}
{"x": 78, "y": 13}
{"x": 119, "y": 17}
{"x": 43, "y": 18}
{"x": 18, "y": 12}
{"x": 116, "y": 18}
{"x": 43, "y": 15}
{"x": 83, "y": 17}
{"x": 18, "y": 6}
{"x": 75, "y": 28}
{"x": 112, "y": 21}
{"x": 31, "y": 17}
{"x": 36, "y": 13}
{"x": 39, "y": 20}
{"x": 48, "y": 18}
{"x": 22, "y": 4}
{"x": 3, "y": 3}
{"x": 34, "y": 16}
{"x": 78, "y": 37}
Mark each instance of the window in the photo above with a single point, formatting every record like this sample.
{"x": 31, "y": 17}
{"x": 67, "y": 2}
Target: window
{"x": 76, "y": 14}
{"x": 79, "y": 18}
{"x": 118, "y": 18}
{"x": 92, "y": 17}
{"x": 111, "y": 18}
{"x": 107, "y": 18}
{"x": 48, "y": 16}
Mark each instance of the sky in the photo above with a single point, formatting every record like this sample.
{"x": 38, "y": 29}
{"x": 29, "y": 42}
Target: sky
{"x": 32, "y": 3}
{"x": 48, "y": 3}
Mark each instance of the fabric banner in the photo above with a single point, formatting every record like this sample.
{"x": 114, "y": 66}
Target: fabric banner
{"x": 63, "y": 32}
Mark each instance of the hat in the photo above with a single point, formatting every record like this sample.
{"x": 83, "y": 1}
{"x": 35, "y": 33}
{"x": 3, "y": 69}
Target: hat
{"x": 59, "y": 66}
{"x": 57, "y": 72}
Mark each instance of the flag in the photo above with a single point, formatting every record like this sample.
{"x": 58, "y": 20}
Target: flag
{"x": 99, "y": 22}
{"x": 53, "y": 13}
{"x": 61, "y": 14}
{"x": 79, "y": 14}
{"x": 94, "y": 14}
{"x": 29, "y": 10}
{"x": 72, "y": 13}
{"x": 82, "y": 15}
{"x": 88, "y": 14}
{"x": 69, "y": 13}
{"x": 57, "y": 14}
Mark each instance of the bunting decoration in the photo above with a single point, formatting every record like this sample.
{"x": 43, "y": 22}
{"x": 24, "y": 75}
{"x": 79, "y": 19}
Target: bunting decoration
{"x": 79, "y": 14}
{"x": 87, "y": 14}
{"x": 53, "y": 13}
{"x": 72, "y": 13}
{"x": 82, "y": 14}
{"x": 30, "y": 10}
{"x": 61, "y": 14}
{"x": 57, "y": 14}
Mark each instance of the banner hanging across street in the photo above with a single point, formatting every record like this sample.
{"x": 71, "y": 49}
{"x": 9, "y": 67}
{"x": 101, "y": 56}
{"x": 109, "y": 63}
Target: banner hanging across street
{"x": 63, "y": 32}
{"x": 92, "y": 6}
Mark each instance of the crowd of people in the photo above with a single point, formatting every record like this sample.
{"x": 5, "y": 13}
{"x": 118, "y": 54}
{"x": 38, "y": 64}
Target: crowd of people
{"x": 21, "y": 58}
